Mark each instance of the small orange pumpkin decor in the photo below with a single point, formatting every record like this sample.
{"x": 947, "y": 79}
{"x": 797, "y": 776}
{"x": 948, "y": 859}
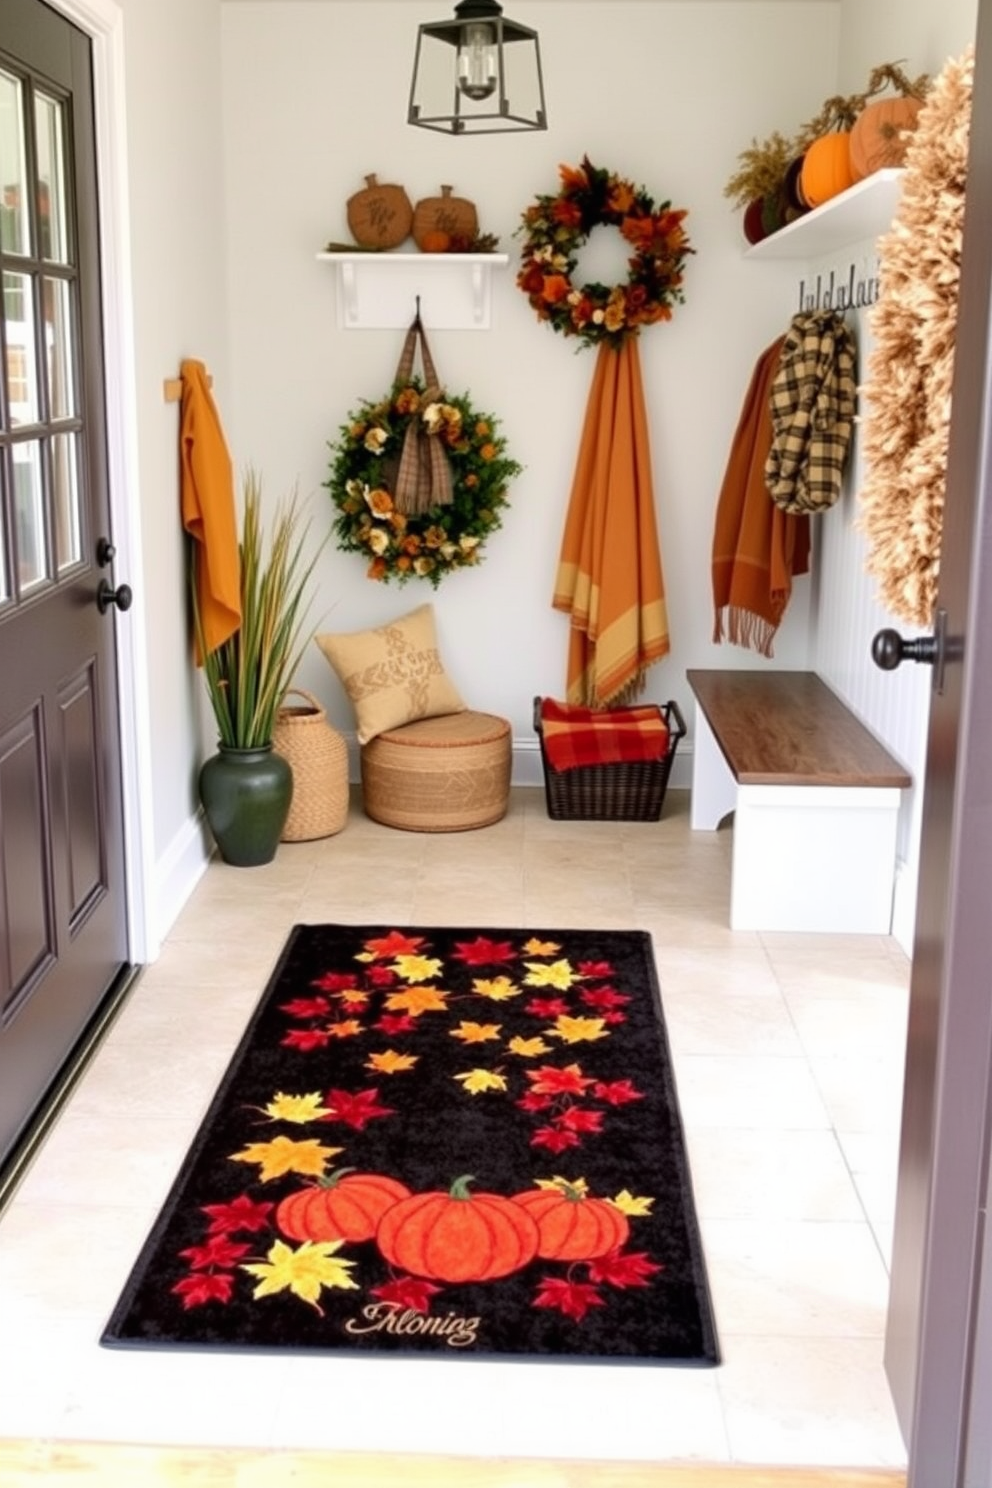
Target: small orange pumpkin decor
{"x": 345, "y": 1205}
{"x": 826, "y": 168}
{"x": 571, "y": 1225}
{"x": 379, "y": 216}
{"x": 435, "y": 241}
{"x": 454, "y": 215}
{"x": 458, "y": 1236}
{"x": 879, "y": 135}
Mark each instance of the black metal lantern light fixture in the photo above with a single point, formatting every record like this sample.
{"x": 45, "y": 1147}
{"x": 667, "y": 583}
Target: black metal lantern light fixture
{"x": 477, "y": 74}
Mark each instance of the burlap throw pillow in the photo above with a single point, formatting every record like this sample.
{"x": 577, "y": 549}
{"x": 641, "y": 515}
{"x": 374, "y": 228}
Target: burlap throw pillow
{"x": 392, "y": 674}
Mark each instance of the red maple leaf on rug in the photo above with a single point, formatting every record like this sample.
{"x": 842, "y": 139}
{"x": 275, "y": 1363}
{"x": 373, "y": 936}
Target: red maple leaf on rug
{"x": 616, "y": 1092}
{"x": 381, "y": 976}
{"x": 533, "y": 1102}
{"x": 595, "y": 971}
{"x": 394, "y": 944}
{"x": 549, "y": 1080}
{"x": 573, "y": 1298}
{"x": 205, "y": 1286}
{"x": 554, "y": 1139}
{"x": 407, "y": 1291}
{"x": 603, "y": 997}
{"x": 242, "y": 1213}
{"x": 307, "y": 1038}
{"x": 393, "y": 1023}
{"x": 580, "y": 1119}
{"x": 624, "y": 1270}
{"x": 483, "y": 952}
{"x": 355, "y": 1109}
{"x": 219, "y": 1250}
{"x": 335, "y": 981}
{"x": 306, "y": 1007}
{"x": 546, "y": 1007}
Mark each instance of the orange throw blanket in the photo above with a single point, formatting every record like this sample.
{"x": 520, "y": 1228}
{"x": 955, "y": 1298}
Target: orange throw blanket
{"x": 609, "y": 579}
{"x": 583, "y": 736}
{"x": 757, "y": 549}
{"x": 207, "y": 500}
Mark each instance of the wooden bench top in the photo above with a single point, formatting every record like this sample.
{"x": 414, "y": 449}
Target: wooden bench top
{"x": 789, "y": 728}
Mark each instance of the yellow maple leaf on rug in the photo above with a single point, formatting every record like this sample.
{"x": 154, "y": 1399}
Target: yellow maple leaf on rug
{"x": 283, "y": 1155}
{"x": 304, "y": 1271}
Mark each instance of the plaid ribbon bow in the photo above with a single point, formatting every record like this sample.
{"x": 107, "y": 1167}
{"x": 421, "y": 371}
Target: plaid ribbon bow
{"x": 423, "y": 476}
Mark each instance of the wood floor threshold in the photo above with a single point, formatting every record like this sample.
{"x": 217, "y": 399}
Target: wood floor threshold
{"x": 24, "y": 1464}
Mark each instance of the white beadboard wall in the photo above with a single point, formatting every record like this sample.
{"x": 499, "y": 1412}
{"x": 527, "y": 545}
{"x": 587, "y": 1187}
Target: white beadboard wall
{"x": 846, "y": 613}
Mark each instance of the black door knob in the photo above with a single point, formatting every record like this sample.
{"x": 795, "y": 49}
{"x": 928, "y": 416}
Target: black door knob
{"x": 888, "y": 650}
{"x": 105, "y": 597}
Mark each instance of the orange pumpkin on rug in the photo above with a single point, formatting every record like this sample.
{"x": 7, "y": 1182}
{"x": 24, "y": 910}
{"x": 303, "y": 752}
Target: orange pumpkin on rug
{"x": 346, "y": 1205}
{"x": 826, "y": 168}
{"x": 571, "y": 1225}
{"x": 458, "y": 1236}
{"x": 879, "y": 135}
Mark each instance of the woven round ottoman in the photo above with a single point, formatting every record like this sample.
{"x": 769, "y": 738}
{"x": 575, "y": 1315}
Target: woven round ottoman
{"x": 447, "y": 774}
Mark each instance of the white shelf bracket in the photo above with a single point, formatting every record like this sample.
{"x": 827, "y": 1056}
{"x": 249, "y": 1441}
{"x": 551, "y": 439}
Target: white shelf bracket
{"x": 349, "y": 294}
{"x": 480, "y": 283}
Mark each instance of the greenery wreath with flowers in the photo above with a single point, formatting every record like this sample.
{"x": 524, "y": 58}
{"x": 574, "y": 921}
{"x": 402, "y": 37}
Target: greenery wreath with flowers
{"x": 555, "y": 229}
{"x": 428, "y": 545}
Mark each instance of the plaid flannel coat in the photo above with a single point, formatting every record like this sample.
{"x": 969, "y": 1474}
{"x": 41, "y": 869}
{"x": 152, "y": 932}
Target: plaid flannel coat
{"x": 812, "y": 405}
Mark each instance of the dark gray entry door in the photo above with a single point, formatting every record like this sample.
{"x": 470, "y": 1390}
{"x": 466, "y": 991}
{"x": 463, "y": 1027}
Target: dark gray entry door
{"x": 63, "y": 936}
{"x": 935, "y": 1329}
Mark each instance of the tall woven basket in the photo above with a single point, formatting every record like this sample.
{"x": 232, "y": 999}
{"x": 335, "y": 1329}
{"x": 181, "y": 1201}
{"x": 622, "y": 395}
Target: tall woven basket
{"x": 318, "y": 757}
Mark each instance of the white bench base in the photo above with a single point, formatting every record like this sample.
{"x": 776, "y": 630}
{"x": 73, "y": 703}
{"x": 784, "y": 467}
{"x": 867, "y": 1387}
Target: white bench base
{"x": 810, "y": 858}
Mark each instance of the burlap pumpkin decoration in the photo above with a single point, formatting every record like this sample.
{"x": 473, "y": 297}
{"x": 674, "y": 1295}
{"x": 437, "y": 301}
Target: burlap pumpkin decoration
{"x": 444, "y": 216}
{"x": 379, "y": 216}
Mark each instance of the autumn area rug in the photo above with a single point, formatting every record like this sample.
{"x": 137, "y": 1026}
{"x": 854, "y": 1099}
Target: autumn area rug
{"x": 438, "y": 1141}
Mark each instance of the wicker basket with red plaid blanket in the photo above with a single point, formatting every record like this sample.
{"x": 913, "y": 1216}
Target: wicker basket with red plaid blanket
{"x": 606, "y": 766}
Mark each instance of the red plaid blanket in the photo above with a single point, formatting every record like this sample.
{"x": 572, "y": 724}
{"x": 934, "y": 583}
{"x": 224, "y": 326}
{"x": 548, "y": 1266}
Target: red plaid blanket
{"x": 582, "y": 736}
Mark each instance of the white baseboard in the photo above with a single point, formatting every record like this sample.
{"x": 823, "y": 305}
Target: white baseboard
{"x": 528, "y": 770}
{"x": 904, "y": 906}
{"x": 177, "y": 872}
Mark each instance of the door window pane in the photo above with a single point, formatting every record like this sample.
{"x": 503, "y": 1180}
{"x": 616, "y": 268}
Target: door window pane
{"x": 49, "y": 126}
{"x": 29, "y": 514}
{"x": 65, "y": 489}
{"x": 13, "y": 173}
{"x": 21, "y": 373}
{"x": 58, "y": 348}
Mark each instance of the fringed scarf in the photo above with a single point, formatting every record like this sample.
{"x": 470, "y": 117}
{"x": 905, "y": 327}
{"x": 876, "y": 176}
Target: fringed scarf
{"x": 757, "y": 549}
{"x": 609, "y": 579}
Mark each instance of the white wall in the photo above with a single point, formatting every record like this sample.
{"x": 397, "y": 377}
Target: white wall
{"x": 177, "y": 233}
{"x": 315, "y": 97}
{"x": 918, "y": 34}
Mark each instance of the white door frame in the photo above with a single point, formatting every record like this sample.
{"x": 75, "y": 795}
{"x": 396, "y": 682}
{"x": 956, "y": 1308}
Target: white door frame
{"x": 103, "y": 22}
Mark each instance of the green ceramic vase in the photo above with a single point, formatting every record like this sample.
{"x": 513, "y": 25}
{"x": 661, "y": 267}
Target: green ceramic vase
{"x": 246, "y": 795}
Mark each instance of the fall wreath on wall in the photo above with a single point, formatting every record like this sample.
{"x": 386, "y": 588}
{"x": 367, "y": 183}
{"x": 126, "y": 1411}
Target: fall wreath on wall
{"x": 555, "y": 228}
{"x": 428, "y": 544}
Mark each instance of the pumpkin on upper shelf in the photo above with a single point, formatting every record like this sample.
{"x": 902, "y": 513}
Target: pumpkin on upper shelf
{"x": 880, "y": 134}
{"x": 379, "y": 216}
{"x": 441, "y": 221}
{"x": 826, "y": 169}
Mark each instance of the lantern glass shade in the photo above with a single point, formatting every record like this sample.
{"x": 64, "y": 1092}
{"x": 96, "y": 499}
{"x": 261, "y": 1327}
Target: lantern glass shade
{"x": 477, "y": 74}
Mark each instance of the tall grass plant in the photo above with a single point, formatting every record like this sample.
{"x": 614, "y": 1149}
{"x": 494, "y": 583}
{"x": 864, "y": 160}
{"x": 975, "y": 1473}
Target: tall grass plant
{"x": 247, "y": 676}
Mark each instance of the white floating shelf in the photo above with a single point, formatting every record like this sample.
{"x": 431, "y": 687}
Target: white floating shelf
{"x": 863, "y": 212}
{"x": 378, "y": 291}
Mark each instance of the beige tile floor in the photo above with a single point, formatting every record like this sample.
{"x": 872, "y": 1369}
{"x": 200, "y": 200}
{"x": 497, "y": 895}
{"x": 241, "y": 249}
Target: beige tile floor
{"x": 788, "y": 1059}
